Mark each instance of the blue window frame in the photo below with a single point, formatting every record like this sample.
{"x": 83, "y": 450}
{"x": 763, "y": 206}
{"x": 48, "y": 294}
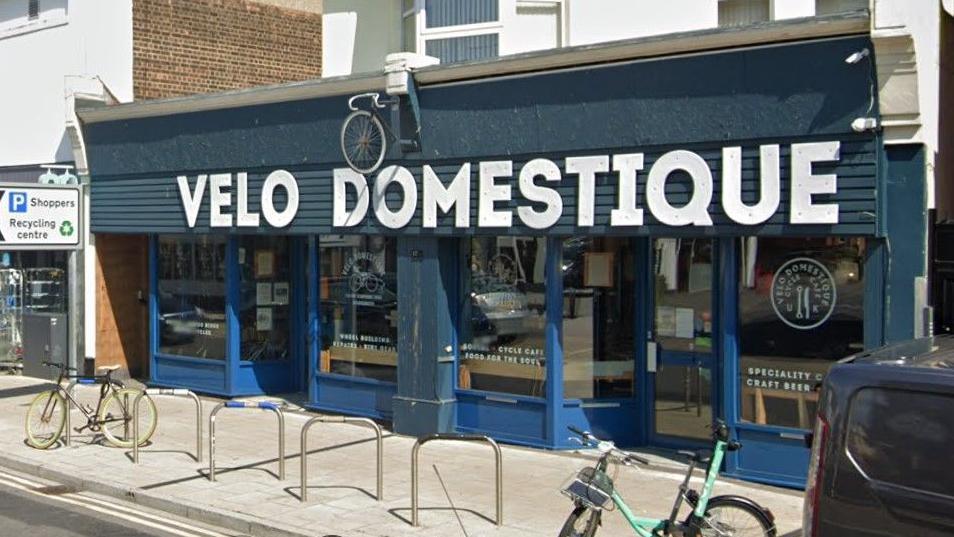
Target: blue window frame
{"x": 183, "y": 275}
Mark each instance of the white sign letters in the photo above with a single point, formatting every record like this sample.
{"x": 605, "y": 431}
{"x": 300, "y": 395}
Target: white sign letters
{"x": 220, "y": 199}
{"x": 393, "y": 193}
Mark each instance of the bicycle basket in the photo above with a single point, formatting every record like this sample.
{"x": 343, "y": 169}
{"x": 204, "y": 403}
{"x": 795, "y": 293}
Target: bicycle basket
{"x": 590, "y": 487}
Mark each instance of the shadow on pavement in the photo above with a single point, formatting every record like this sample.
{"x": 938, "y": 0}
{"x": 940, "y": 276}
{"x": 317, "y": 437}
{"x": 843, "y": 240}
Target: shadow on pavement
{"x": 26, "y": 390}
{"x": 394, "y": 513}
{"x": 297, "y": 495}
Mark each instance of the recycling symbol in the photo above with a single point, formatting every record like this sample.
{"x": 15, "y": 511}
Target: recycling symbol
{"x": 66, "y": 228}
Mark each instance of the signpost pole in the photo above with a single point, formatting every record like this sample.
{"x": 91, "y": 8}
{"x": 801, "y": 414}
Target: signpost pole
{"x": 76, "y": 277}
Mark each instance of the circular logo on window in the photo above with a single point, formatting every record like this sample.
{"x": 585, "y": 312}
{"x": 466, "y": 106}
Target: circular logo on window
{"x": 364, "y": 273}
{"x": 803, "y": 293}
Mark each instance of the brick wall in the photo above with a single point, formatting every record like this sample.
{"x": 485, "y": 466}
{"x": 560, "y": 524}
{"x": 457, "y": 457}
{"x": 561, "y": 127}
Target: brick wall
{"x": 182, "y": 47}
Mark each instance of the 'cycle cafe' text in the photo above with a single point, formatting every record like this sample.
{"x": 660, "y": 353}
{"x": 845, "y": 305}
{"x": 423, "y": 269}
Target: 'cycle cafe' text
{"x": 354, "y": 196}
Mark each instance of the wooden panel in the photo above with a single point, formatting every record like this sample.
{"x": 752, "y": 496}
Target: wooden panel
{"x": 122, "y": 276}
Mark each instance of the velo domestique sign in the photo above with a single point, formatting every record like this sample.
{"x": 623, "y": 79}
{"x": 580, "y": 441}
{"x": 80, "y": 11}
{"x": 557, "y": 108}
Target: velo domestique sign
{"x": 535, "y": 182}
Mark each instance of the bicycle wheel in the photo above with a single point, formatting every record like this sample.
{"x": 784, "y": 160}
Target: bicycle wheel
{"x": 582, "y": 522}
{"x": 115, "y": 417}
{"x": 45, "y": 419}
{"x": 363, "y": 141}
{"x": 728, "y": 516}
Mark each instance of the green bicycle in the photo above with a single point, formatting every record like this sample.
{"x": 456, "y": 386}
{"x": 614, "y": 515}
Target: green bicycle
{"x": 591, "y": 490}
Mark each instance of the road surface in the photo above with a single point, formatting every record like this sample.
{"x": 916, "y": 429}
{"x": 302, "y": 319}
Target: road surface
{"x": 34, "y": 509}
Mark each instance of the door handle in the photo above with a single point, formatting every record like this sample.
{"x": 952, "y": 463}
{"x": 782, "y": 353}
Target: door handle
{"x": 651, "y": 356}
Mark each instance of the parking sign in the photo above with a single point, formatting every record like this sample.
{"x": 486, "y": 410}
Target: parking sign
{"x": 39, "y": 217}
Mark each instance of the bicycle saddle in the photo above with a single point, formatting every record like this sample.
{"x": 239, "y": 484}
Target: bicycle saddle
{"x": 107, "y": 367}
{"x": 695, "y": 456}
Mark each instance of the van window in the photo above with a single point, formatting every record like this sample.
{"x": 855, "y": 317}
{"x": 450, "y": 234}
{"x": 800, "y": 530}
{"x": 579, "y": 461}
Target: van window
{"x": 903, "y": 438}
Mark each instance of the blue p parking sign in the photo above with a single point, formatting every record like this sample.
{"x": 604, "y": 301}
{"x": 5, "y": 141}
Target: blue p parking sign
{"x": 40, "y": 217}
{"x": 18, "y": 202}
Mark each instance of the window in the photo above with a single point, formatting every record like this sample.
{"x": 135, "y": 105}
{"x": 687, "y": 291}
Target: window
{"x": 503, "y": 338}
{"x": 899, "y": 437}
{"x": 828, "y": 7}
{"x": 266, "y": 291}
{"x": 460, "y": 49}
{"x": 191, "y": 296}
{"x": 359, "y": 312}
{"x": 441, "y": 13}
{"x": 599, "y": 286}
{"x": 683, "y": 286}
{"x": 801, "y": 307}
{"x": 23, "y": 16}
{"x": 743, "y": 12}
{"x": 452, "y": 30}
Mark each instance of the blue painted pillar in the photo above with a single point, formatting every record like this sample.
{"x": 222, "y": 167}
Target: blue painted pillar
{"x": 727, "y": 338}
{"x": 554, "y": 341}
{"x": 233, "y": 346}
{"x": 427, "y": 304}
{"x": 906, "y": 223}
{"x": 313, "y": 332}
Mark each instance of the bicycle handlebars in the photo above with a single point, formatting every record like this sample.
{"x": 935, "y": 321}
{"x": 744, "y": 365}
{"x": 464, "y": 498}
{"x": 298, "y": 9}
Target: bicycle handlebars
{"x": 624, "y": 456}
{"x": 374, "y": 100}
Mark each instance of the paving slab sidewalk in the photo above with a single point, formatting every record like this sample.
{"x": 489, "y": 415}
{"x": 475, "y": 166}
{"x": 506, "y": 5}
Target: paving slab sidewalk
{"x": 247, "y": 496}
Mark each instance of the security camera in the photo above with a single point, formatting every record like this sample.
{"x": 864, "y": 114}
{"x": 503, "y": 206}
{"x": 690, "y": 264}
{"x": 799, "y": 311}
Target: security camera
{"x": 856, "y": 57}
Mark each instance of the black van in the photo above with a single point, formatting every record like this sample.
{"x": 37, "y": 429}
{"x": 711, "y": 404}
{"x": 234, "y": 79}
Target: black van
{"x": 882, "y": 459}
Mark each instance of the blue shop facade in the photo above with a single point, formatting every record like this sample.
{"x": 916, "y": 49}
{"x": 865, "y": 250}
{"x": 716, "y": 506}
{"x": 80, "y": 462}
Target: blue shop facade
{"x": 634, "y": 247}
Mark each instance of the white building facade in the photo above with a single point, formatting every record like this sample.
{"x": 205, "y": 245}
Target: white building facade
{"x": 55, "y": 54}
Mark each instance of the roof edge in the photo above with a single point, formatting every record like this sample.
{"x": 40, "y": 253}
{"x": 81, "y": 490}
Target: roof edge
{"x": 855, "y": 22}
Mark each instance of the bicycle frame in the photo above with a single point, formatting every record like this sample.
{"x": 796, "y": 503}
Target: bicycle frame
{"x": 107, "y": 386}
{"x": 645, "y": 527}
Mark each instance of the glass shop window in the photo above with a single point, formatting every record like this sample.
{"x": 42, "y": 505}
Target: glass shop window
{"x": 503, "y": 339}
{"x": 599, "y": 302}
{"x": 683, "y": 287}
{"x": 191, "y": 295}
{"x": 32, "y": 284}
{"x": 801, "y": 307}
{"x": 265, "y": 308}
{"x": 359, "y": 312}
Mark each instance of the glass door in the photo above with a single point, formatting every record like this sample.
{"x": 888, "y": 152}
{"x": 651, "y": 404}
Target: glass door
{"x": 600, "y": 275}
{"x": 680, "y": 362}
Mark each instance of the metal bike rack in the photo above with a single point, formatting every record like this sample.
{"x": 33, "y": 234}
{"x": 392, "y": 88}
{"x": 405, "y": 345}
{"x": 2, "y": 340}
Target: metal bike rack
{"x": 69, "y": 407}
{"x": 379, "y": 438}
{"x": 498, "y": 460}
{"x": 264, "y": 405}
{"x": 179, "y": 392}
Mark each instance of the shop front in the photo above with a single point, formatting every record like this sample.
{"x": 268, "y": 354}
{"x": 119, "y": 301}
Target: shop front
{"x": 635, "y": 247}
